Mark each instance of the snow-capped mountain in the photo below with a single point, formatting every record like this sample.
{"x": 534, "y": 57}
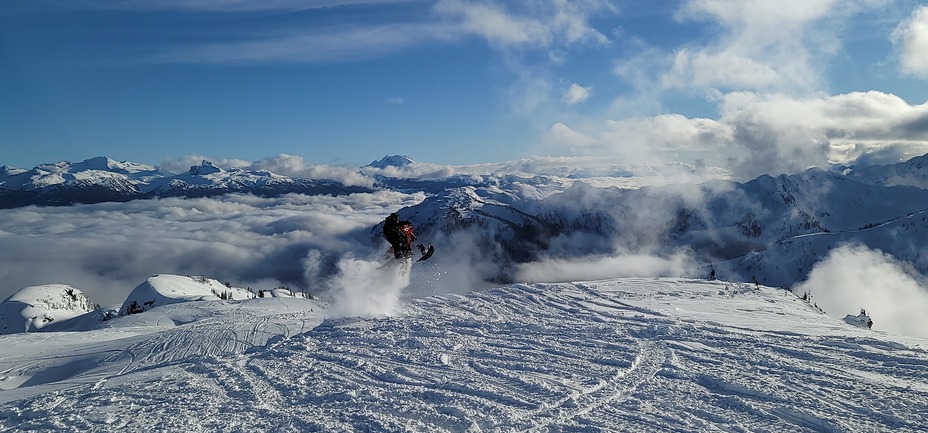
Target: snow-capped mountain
{"x": 35, "y": 307}
{"x": 913, "y": 172}
{"x": 624, "y": 355}
{"x": 392, "y": 161}
{"x": 102, "y": 179}
{"x": 772, "y": 229}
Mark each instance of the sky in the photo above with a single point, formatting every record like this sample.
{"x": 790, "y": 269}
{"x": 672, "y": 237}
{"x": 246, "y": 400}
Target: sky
{"x": 751, "y": 85}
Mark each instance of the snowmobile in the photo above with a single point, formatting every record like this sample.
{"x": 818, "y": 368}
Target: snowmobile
{"x": 406, "y": 251}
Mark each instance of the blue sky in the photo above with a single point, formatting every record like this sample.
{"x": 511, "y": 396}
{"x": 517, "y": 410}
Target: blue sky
{"x": 752, "y": 85}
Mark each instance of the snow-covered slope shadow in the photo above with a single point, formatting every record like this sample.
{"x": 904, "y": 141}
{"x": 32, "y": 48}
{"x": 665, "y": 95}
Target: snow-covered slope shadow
{"x": 620, "y": 355}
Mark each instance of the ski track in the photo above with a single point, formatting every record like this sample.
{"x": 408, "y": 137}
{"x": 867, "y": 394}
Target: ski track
{"x": 540, "y": 358}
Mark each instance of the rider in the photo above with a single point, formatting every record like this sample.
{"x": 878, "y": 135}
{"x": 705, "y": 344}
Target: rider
{"x": 392, "y": 231}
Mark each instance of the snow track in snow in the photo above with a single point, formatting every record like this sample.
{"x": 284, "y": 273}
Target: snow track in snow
{"x": 624, "y": 355}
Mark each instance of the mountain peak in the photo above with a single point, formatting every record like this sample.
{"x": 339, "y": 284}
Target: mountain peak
{"x": 205, "y": 168}
{"x": 392, "y": 161}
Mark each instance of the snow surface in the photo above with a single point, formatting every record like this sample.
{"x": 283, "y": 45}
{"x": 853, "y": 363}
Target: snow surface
{"x": 169, "y": 289}
{"x": 637, "y": 354}
{"x": 35, "y": 307}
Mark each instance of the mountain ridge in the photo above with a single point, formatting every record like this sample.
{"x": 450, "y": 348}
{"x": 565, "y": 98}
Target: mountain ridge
{"x": 750, "y": 231}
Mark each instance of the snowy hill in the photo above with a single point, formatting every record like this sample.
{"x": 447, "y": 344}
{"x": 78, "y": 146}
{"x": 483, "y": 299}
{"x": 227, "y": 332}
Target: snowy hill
{"x": 33, "y": 308}
{"x": 615, "y": 355}
{"x": 161, "y": 290}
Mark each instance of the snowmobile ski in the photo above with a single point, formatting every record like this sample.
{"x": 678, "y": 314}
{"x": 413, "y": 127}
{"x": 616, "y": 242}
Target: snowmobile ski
{"x": 426, "y": 253}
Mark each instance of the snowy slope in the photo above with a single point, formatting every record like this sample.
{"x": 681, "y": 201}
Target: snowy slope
{"x": 35, "y": 307}
{"x": 617, "y": 355}
{"x": 161, "y": 290}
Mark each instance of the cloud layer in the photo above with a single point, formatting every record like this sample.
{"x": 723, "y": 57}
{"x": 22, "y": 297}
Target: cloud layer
{"x": 106, "y": 249}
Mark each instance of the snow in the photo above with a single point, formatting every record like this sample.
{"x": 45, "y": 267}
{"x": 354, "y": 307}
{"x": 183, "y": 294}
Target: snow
{"x": 634, "y": 354}
{"x": 35, "y": 307}
{"x": 392, "y": 161}
{"x": 168, "y": 289}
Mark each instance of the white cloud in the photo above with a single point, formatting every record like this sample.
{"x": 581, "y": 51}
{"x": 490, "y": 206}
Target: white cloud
{"x": 106, "y": 249}
{"x": 667, "y": 132}
{"x": 776, "y": 133}
{"x": 332, "y": 44}
{"x": 576, "y": 94}
{"x": 295, "y": 166}
{"x": 493, "y": 23}
{"x": 762, "y": 133}
{"x": 538, "y": 25}
{"x": 855, "y": 277}
{"x": 223, "y": 5}
{"x": 763, "y": 45}
{"x": 541, "y": 24}
{"x": 911, "y": 36}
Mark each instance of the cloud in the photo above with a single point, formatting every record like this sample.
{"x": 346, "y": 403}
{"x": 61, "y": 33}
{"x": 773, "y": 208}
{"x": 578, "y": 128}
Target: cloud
{"x": 295, "y": 166}
{"x": 542, "y": 24}
{"x": 107, "y": 249}
{"x": 395, "y": 100}
{"x": 230, "y": 6}
{"x": 776, "y": 133}
{"x": 576, "y": 94}
{"x": 328, "y": 44}
{"x": 911, "y": 38}
{"x": 759, "y": 133}
{"x": 855, "y": 277}
{"x": 538, "y": 26}
{"x": 762, "y": 45}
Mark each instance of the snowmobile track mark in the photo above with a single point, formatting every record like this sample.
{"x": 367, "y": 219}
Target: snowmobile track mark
{"x": 620, "y": 387}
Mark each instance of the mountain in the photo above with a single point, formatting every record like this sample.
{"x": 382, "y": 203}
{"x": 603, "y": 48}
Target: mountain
{"x": 392, "y": 161}
{"x": 624, "y": 355}
{"x": 102, "y": 179}
{"x": 36, "y": 307}
{"x": 773, "y": 229}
